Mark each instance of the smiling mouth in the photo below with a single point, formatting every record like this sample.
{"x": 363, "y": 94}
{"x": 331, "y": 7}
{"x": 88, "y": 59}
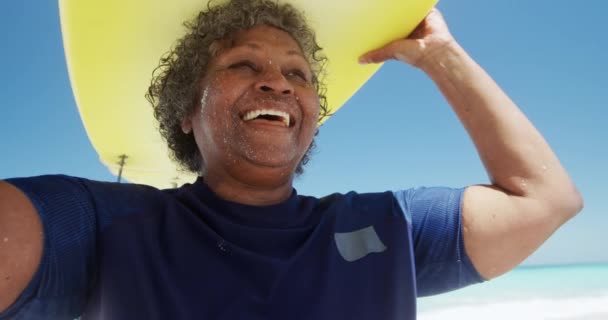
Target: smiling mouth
{"x": 268, "y": 115}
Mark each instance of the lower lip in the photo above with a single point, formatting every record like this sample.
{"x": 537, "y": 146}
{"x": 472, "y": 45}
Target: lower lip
{"x": 267, "y": 124}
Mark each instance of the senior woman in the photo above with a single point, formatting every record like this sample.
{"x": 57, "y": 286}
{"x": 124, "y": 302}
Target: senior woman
{"x": 238, "y": 101}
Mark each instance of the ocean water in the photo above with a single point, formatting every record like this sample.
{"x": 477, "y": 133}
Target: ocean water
{"x": 540, "y": 293}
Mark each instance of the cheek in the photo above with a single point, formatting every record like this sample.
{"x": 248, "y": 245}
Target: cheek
{"x": 213, "y": 107}
{"x": 311, "y": 109}
{"x": 310, "y": 106}
{"x": 204, "y": 99}
{"x": 207, "y": 116}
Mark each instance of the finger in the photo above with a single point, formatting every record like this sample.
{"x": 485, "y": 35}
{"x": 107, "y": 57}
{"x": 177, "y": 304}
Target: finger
{"x": 435, "y": 14}
{"x": 422, "y": 27}
{"x": 435, "y": 18}
{"x": 420, "y": 31}
{"x": 397, "y": 50}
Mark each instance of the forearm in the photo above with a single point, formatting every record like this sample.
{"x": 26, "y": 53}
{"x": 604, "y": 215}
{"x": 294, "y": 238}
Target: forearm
{"x": 516, "y": 156}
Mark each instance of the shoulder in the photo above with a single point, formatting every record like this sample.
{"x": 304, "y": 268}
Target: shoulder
{"x": 58, "y": 183}
{"x": 419, "y": 202}
{"x": 105, "y": 200}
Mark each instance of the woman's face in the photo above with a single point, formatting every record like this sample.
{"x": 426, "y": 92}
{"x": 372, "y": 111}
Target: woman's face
{"x": 258, "y": 108}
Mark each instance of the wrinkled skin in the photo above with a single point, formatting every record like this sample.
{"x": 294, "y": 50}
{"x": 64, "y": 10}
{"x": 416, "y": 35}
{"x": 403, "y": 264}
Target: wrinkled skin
{"x": 253, "y": 162}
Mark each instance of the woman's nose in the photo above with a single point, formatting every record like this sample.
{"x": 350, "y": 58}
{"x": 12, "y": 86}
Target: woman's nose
{"x": 274, "y": 82}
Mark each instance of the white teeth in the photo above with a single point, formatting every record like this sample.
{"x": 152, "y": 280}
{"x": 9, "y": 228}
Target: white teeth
{"x": 256, "y": 113}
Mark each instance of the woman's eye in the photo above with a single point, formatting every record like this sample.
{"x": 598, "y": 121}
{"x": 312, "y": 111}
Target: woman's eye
{"x": 244, "y": 64}
{"x": 298, "y": 74}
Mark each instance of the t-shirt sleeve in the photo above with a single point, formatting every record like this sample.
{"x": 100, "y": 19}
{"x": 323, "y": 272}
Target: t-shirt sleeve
{"x": 435, "y": 217}
{"x": 65, "y": 275}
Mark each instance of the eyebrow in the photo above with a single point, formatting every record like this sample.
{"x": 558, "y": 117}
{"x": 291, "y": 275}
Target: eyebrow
{"x": 255, "y": 46}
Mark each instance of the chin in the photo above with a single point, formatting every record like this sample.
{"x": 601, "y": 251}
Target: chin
{"x": 281, "y": 163}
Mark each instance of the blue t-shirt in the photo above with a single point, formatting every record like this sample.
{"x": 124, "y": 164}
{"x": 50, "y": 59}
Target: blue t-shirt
{"x": 126, "y": 251}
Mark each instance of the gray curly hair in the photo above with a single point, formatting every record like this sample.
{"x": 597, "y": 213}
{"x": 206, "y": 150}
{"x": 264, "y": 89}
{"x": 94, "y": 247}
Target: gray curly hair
{"x": 173, "y": 92}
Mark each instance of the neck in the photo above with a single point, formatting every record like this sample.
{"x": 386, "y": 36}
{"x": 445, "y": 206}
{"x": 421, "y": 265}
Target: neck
{"x": 256, "y": 190}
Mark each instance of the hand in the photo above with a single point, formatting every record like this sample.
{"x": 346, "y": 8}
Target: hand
{"x": 429, "y": 38}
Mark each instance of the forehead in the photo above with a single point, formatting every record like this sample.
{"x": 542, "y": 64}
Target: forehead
{"x": 260, "y": 37}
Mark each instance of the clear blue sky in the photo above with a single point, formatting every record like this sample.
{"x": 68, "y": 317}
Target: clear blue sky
{"x": 396, "y": 132}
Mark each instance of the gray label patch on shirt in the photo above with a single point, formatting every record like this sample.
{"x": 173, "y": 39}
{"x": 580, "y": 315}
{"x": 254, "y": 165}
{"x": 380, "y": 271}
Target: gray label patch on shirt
{"x": 358, "y": 244}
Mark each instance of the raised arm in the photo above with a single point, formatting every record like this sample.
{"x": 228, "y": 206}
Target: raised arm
{"x": 531, "y": 194}
{"x": 20, "y": 243}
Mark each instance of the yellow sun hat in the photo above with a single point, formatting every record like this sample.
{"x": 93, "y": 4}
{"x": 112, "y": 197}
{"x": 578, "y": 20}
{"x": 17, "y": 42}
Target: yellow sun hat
{"x": 112, "y": 47}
